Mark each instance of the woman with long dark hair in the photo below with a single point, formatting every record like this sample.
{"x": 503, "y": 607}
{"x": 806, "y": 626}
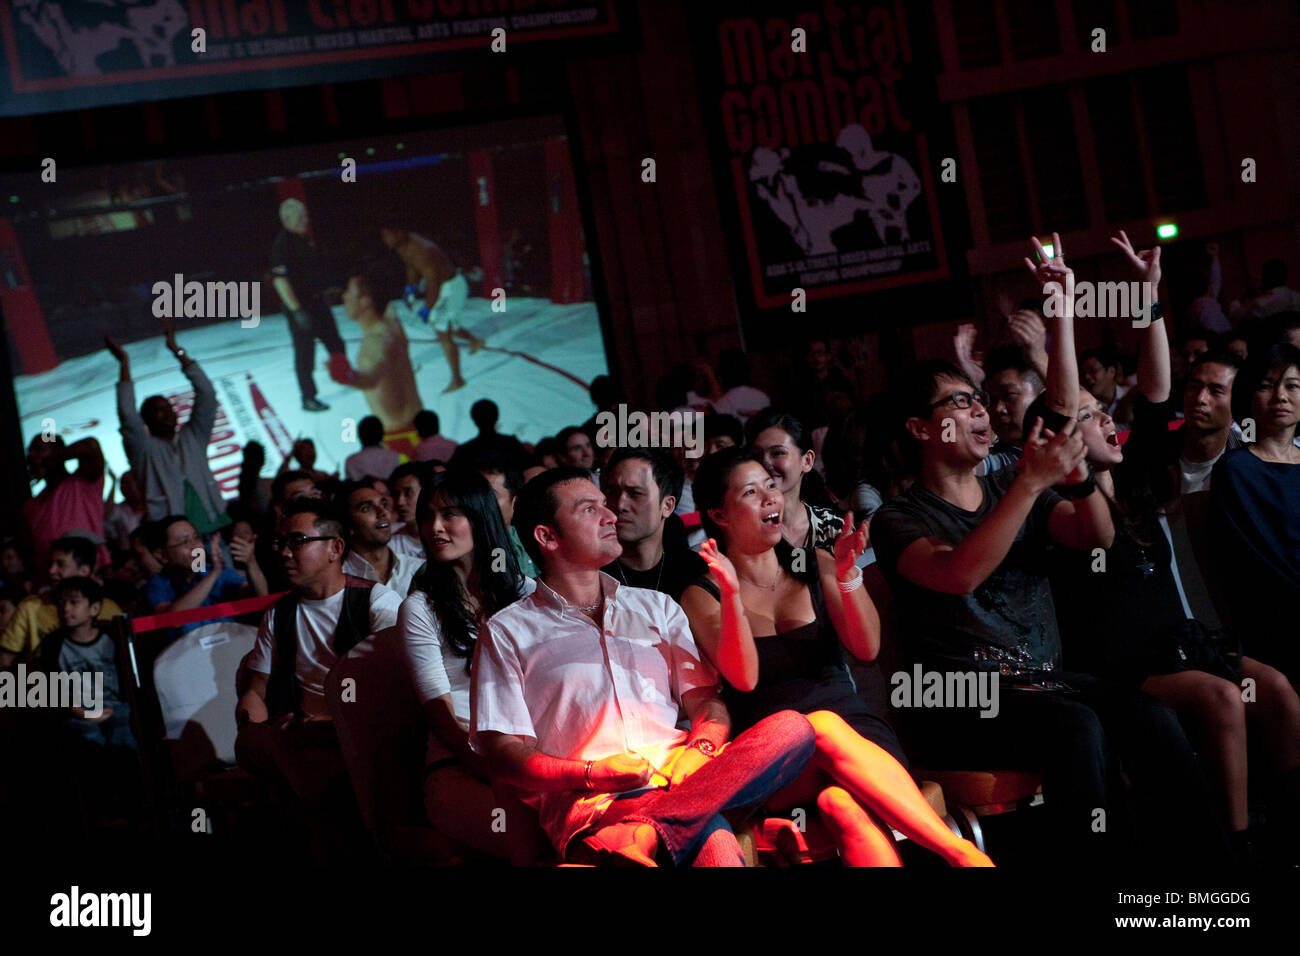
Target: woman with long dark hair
{"x": 784, "y": 446}
{"x": 470, "y": 575}
{"x": 773, "y": 627}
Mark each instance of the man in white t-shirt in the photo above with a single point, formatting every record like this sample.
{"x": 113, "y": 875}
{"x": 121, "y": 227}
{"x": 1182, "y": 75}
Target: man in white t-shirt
{"x": 580, "y": 691}
{"x": 285, "y": 731}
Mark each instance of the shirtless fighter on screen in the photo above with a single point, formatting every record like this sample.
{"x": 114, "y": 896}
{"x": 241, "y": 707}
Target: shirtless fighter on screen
{"x": 383, "y": 364}
{"x": 445, "y": 290}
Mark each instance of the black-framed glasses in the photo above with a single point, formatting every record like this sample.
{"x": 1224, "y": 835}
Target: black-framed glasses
{"x": 963, "y": 399}
{"x": 296, "y": 542}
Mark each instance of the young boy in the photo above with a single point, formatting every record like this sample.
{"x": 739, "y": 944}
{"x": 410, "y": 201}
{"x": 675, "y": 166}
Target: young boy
{"x": 81, "y": 646}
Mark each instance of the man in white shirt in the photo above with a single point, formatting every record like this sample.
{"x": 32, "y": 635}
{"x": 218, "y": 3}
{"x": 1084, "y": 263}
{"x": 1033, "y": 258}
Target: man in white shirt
{"x": 406, "y": 482}
{"x": 580, "y": 688}
{"x": 369, "y": 534}
{"x": 373, "y": 459}
{"x": 285, "y": 731}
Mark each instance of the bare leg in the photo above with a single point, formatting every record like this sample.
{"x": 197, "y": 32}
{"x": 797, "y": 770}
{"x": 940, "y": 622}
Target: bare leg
{"x": 861, "y": 842}
{"x": 1212, "y": 708}
{"x": 452, "y": 353}
{"x": 475, "y": 343}
{"x": 1276, "y": 708}
{"x": 881, "y": 783}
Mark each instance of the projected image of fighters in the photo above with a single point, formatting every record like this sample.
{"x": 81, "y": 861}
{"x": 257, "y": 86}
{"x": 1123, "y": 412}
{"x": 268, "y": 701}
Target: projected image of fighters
{"x": 302, "y": 290}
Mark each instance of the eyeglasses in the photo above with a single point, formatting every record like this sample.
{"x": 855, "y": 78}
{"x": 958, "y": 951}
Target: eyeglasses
{"x": 295, "y": 542}
{"x": 963, "y": 399}
{"x": 186, "y": 542}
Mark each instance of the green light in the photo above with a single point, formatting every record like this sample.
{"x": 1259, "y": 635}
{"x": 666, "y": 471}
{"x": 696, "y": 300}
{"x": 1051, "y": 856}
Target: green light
{"x": 401, "y": 146}
{"x": 13, "y": 198}
{"x": 1049, "y": 250}
{"x": 370, "y": 151}
{"x": 1167, "y": 230}
{"x": 343, "y": 155}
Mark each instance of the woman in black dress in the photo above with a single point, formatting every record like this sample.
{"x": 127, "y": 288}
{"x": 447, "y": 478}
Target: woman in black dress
{"x": 760, "y": 586}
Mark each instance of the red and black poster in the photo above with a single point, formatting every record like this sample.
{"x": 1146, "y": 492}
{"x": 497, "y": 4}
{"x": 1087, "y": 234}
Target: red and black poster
{"x": 819, "y": 147}
{"x": 64, "y": 54}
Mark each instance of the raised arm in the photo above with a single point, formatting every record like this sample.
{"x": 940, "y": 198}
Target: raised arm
{"x": 134, "y": 432}
{"x": 720, "y": 627}
{"x": 1153, "y": 374}
{"x": 89, "y": 457}
{"x": 852, "y": 612}
{"x": 963, "y": 347}
{"x": 960, "y": 569}
{"x": 1057, "y": 281}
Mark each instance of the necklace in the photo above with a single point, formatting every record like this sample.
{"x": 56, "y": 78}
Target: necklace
{"x": 662, "y": 555}
{"x": 765, "y": 587}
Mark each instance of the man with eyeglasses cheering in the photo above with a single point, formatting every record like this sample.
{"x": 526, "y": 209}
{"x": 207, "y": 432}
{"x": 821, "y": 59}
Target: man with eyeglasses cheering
{"x": 285, "y": 730}
{"x": 193, "y": 576}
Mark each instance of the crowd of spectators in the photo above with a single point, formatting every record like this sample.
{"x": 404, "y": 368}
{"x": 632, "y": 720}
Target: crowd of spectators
{"x": 638, "y": 645}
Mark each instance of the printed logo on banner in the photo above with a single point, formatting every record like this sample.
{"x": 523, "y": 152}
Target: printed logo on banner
{"x": 830, "y": 170}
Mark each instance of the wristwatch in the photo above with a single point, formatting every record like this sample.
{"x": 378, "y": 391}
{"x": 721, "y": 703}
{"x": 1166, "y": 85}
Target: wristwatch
{"x": 704, "y": 746}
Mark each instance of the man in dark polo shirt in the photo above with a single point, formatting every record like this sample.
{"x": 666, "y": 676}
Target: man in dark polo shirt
{"x": 300, "y": 280}
{"x": 642, "y": 486}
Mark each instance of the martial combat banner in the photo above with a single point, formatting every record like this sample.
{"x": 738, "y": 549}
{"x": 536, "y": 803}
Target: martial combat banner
{"x": 65, "y": 54}
{"x": 826, "y": 178}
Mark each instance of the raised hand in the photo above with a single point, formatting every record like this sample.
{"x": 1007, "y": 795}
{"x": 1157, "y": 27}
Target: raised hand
{"x": 963, "y": 346}
{"x": 216, "y": 558}
{"x": 118, "y": 352}
{"x": 850, "y": 544}
{"x": 1054, "y": 270}
{"x": 723, "y": 571}
{"x": 1028, "y": 331}
{"x": 242, "y": 550}
{"x": 169, "y": 333}
{"x": 1145, "y": 263}
{"x": 1053, "y": 461}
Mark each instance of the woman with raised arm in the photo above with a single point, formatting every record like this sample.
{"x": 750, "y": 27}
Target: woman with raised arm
{"x": 471, "y": 574}
{"x": 1127, "y": 616}
{"x": 801, "y": 614}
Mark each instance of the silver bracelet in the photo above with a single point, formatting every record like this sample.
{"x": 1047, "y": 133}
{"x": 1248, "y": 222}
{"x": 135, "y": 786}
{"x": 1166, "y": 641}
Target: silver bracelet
{"x": 848, "y": 587}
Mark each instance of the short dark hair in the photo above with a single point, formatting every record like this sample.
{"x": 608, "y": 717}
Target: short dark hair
{"x": 912, "y": 396}
{"x": 83, "y": 551}
{"x": 496, "y": 464}
{"x": 567, "y": 433}
{"x": 88, "y": 588}
{"x": 1278, "y": 357}
{"x": 406, "y": 469}
{"x": 326, "y": 514}
{"x": 1217, "y": 356}
{"x": 283, "y": 480}
{"x": 484, "y": 413}
{"x": 1107, "y": 355}
{"x": 11, "y": 592}
{"x": 370, "y": 430}
{"x": 720, "y": 424}
{"x": 343, "y": 498}
{"x": 667, "y": 473}
{"x": 537, "y": 503}
{"x": 1009, "y": 356}
{"x": 426, "y": 423}
{"x": 548, "y": 446}
{"x": 156, "y": 535}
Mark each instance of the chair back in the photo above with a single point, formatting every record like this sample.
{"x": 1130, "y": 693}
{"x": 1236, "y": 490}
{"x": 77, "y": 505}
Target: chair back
{"x": 194, "y": 679}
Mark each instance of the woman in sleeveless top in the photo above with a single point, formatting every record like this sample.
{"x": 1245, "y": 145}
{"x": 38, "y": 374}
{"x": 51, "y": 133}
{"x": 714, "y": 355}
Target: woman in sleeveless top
{"x": 461, "y": 528}
{"x": 797, "y": 667}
